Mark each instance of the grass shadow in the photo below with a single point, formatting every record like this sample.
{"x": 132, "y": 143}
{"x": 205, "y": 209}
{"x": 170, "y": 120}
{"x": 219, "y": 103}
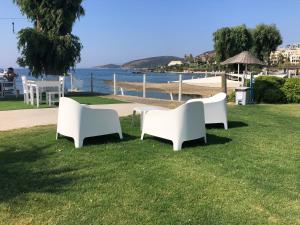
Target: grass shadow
{"x": 24, "y": 171}
{"x": 211, "y": 140}
{"x": 103, "y": 139}
{"x": 20, "y": 98}
{"x": 231, "y": 124}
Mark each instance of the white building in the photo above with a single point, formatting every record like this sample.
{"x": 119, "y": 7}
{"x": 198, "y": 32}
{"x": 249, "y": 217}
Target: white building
{"x": 175, "y": 63}
{"x": 290, "y": 53}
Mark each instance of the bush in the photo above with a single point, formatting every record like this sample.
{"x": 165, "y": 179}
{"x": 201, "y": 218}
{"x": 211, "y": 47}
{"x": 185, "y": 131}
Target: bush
{"x": 291, "y": 89}
{"x": 268, "y": 89}
{"x": 231, "y": 97}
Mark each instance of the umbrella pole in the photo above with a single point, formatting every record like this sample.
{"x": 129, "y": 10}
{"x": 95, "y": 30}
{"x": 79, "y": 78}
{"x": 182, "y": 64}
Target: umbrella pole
{"x": 238, "y": 68}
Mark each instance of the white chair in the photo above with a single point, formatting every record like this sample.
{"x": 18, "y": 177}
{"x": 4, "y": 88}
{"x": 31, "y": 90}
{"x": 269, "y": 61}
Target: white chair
{"x": 26, "y": 91}
{"x": 178, "y": 125}
{"x": 80, "y": 121}
{"x": 54, "y": 95}
{"x": 215, "y": 109}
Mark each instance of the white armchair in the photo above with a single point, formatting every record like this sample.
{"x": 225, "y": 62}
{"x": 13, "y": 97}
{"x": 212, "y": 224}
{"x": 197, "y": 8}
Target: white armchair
{"x": 26, "y": 91}
{"x": 178, "y": 125}
{"x": 215, "y": 109}
{"x": 80, "y": 121}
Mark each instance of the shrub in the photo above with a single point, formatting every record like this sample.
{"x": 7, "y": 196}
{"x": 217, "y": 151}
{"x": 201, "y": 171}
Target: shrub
{"x": 231, "y": 97}
{"x": 268, "y": 89}
{"x": 291, "y": 89}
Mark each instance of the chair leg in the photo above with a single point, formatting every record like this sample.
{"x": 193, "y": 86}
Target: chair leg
{"x": 177, "y": 145}
{"x": 78, "y": 142}
{"x": 226, "y": 126}
{"x": 121, "y": 135}
{"x": 205, "y": 139}
{"x": 49, "y": 99}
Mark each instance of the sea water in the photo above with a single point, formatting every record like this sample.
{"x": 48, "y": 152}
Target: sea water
{"x": 83, "y": 77}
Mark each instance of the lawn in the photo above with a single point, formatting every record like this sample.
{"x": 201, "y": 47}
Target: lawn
{"x": 249, "y": 174}
{"x": 18, "y": 103}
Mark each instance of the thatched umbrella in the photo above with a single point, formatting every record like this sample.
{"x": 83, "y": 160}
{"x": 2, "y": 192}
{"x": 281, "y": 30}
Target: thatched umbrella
{"x": 244, "y": 57}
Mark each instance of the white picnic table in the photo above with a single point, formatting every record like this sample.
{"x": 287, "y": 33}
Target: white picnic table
{"x": 39, "y": 85}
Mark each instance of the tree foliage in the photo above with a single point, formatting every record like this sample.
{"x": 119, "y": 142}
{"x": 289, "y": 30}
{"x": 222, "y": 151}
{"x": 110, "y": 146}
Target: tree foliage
{"x": 266, "y": 38}
{"x": 231, "y": 41}
{"x": 262, "y": 40}
{"x": 49, "y": 47}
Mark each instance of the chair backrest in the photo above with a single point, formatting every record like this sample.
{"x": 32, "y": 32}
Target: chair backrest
{"x": 216, "y": 98}
{"x": 69, "y": 116}
{"x": 219, "y": 97}
{"x": 191, "y": 117}
{"x": 24, "y": 84}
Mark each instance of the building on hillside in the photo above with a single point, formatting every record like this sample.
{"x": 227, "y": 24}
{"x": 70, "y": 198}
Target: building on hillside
{"x": 175, "y": 63}
{"x": 205, "y": 57}
{"x": 290, "y": 53}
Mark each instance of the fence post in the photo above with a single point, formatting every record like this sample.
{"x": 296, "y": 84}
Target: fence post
{"x": 92, "y": 85}
{"x": 180, "y": 87}
{"x": 115, "y": 90}
{"x": 224, "y": 83}
{"x": 144, "y": 86}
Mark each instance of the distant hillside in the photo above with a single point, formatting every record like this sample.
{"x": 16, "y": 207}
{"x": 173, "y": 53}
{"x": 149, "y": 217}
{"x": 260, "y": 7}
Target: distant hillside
{"x": 205, "y": 55}
{"x": 109, "y": 66}
{"x": 150, "y": 63}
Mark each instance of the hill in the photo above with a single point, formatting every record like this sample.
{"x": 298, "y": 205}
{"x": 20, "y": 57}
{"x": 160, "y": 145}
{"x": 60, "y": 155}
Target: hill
{"x": 150, "y": 63}
{"x": 109, "y": 66}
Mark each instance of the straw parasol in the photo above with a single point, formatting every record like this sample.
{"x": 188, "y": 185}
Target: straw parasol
{"x": 244, "y": 57}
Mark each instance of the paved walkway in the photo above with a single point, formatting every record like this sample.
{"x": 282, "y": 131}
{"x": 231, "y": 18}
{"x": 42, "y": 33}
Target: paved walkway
{"x": 24, "y": 118}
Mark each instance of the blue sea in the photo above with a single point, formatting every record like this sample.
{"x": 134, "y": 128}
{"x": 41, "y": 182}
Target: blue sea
{"x": 83, "y": 78}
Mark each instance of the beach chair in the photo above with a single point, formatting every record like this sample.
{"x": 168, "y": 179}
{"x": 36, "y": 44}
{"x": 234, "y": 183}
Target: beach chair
{"x": 215, "y": 109}
{"x": 177, "y": 125}
{"x": 80, "y": 121}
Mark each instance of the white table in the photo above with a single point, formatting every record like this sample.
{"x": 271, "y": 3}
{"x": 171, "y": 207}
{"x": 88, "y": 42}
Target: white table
{"x": 143, "y": 110}
{"x": 38, "y": 85}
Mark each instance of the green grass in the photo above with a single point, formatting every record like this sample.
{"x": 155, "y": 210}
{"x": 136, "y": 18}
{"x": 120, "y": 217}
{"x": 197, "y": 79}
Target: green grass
{"x": 18, "y": 103}
{"x": 249, "y": 174}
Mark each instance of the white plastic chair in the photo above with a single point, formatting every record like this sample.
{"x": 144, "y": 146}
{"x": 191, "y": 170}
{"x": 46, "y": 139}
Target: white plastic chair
{"x": 26, "y": 91}
{"x": 178, "y": 125}
{"x": 53, "y": 95}
{"x": 215, "y": 109}
{"x": 80, "y": 121}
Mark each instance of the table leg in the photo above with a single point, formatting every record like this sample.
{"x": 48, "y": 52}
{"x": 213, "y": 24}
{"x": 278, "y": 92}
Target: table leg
{"x": 37, "y": 97}
{"x": 31, "y": 95}
{"x": 49, "y": 99}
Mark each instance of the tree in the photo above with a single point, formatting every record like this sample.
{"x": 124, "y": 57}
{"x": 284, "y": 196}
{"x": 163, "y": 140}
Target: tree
{"x": 266, "y": 38}
{"x": 231, "y": 41}
{"x": 222, "y": 43}
{"x": 49, "y": 47}
{"x": 241, "y": 38}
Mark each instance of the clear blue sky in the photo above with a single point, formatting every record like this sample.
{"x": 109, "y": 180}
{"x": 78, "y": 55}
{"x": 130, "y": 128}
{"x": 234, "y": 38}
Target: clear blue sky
{"x": 116, "y": 31}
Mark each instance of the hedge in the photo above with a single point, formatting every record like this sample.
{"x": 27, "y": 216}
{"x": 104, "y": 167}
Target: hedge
{"x": 268, "y": 89}
{"x": 291, "y": 89}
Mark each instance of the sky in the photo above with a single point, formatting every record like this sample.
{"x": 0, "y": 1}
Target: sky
{"x": 118, "y": 31}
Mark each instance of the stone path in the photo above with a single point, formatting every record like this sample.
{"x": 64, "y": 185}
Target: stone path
{"x": 24, "y": 118}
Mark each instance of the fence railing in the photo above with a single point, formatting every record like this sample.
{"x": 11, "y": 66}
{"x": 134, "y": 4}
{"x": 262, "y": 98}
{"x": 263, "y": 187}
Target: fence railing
{"x": 146, "y": 86}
